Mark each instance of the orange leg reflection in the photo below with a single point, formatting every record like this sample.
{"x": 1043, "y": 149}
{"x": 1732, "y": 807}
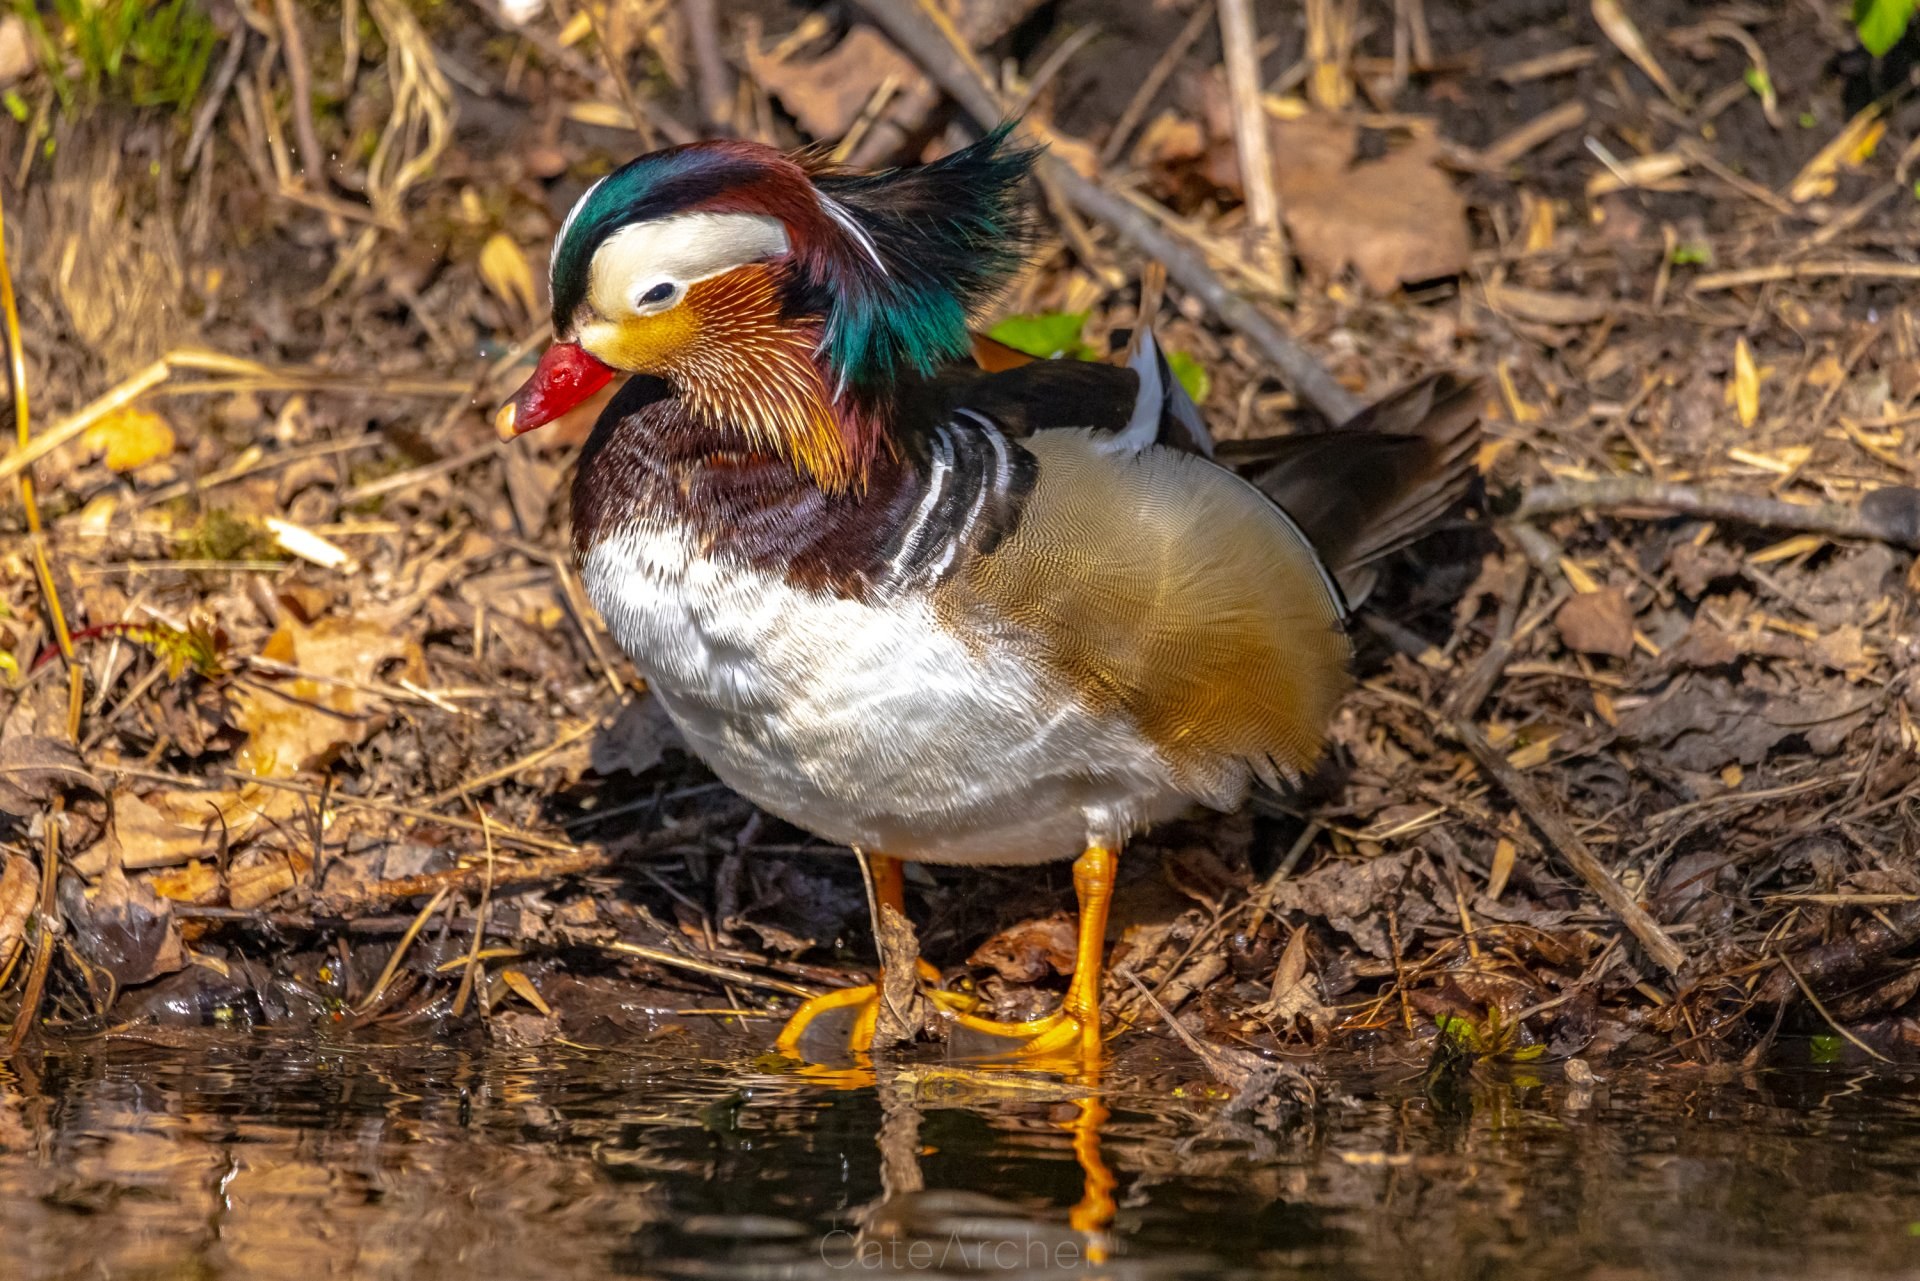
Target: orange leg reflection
{"x": 1093, "y": 1216}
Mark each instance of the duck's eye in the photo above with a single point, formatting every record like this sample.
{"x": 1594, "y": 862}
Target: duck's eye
{"x": 659, "y": 293}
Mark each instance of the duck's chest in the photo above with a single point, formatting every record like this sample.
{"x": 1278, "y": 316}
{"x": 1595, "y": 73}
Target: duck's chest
{"x": 868, "y": 722}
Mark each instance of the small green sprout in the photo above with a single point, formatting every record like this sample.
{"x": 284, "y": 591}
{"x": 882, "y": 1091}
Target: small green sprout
{"x": 1192, "y": 375}
{"x": 1053, "y": 335}
{"x": 1881, "y": 23}
{"x": 1047, "y": 334}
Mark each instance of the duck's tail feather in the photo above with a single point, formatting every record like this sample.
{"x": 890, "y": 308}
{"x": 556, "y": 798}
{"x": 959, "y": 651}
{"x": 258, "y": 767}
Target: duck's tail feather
{"x": 1376, "y": 482}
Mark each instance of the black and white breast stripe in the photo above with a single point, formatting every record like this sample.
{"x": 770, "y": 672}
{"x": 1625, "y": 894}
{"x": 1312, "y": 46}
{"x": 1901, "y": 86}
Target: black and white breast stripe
{"x": 977, "y": 480}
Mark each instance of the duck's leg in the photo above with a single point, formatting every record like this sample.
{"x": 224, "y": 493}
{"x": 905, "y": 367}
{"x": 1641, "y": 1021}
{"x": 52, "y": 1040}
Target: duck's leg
{"x": 1073, "y": 1030}
{"x": 889, "y": 891}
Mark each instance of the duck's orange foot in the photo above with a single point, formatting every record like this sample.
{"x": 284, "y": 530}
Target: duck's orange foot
{"x": 1071, "y": 1034}
{"x": 1067, "y": 1034}
{"x": 851, "y": 1015}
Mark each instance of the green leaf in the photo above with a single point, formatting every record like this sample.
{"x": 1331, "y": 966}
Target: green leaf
{"x": 1881, "y": 23}
{"x": 1758, "y": 82}
{"x": 1824, "y": 1047}
{"x": 1047, "y": 334}
{"x": 1192, "y": 375}
{"x": 1460, "y": 1033}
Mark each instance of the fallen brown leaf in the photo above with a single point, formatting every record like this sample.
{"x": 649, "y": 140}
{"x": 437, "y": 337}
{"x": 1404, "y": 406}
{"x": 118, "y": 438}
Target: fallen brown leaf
{"x": 1704, "y": 724}
{"x": 1396, "y": 220}
{"x": 1546, "y": 307}
{"x": 19, "y": 888}
{"x": 259, "y": 877}
{"x": 123, "y": 927}
{"x": 637, "y": 739}
{"x": 1294, "y": 995}
{"x": 164, "y": 831}
{"x": 1348, "y": 895}
{"x": 1598, "y": 622}
{"x": 524, "y": 989}
{"x": 130, "y": 438}
{"x": 1027, "y": 952}
{"x": 198, "y": 882}
{"x": 827, "y": 94}
{"x": 505, "y": 270}
{"x": 303, "y": 722}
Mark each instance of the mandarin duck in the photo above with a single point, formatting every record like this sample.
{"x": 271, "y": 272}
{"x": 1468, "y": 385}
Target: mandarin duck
{"x": 925, "y": 609}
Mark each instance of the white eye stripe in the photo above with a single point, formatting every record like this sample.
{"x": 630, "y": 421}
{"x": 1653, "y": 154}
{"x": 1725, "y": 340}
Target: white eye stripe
{"x": 678, "y": 250}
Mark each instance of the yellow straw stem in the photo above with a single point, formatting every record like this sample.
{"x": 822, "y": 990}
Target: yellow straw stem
{"x": 17, "y": 373}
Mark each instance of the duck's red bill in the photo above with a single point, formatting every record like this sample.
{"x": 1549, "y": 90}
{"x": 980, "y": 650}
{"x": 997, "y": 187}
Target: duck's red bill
{"x": 565, "y": 378}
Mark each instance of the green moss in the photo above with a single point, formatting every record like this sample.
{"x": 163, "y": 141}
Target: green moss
{"x": 220, "y": 535}
{"x": 135, "y": 51}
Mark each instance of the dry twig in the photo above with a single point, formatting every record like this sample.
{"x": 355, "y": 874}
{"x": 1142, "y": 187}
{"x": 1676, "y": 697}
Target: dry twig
{"x": 1567, "y": 843}
{"x": 1890, "y": 515}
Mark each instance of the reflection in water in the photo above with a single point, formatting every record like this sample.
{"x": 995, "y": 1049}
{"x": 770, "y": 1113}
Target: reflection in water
{"x": 259, "y": 1158}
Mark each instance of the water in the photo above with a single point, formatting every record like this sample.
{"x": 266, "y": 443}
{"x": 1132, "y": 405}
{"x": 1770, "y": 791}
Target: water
{"x": 258, "y": 1158}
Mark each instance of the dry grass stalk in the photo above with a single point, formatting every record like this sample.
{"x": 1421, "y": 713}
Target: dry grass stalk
{"x": 410, "y": 146}
{"x": 1774, "y": 272}
{"x": 1330, "y": 26}
{"x": 236, "y": 375}
{"x": 1149, "y": 89}
{"x": 481, "y": 914}
{"x": 1266, "y": 240}
{"x": 400, "y": 953}
{"x": 659, "y": 956}
{"x": 49, "y": 909}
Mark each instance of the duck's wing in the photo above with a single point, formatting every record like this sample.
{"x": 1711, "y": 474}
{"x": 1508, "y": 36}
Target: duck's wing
{"x": 1167, "y": 591}
{"x": 1141, "y": 402}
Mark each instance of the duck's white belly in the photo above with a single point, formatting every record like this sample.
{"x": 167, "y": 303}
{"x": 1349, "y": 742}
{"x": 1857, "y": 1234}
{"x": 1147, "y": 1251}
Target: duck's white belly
{"x": 870, "y": 724}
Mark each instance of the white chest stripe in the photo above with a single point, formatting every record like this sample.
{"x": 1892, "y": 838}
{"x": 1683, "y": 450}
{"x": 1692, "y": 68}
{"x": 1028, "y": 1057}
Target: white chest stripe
{"x": 937, "y": 483}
